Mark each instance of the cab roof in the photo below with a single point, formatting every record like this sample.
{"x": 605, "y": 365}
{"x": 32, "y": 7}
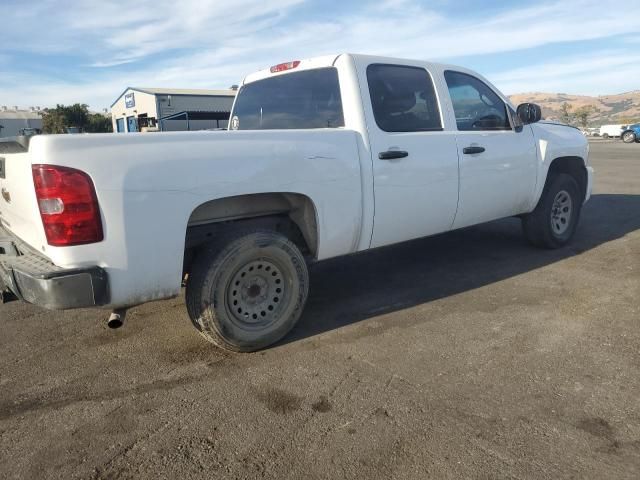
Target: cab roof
{"x": 330, "y": 60}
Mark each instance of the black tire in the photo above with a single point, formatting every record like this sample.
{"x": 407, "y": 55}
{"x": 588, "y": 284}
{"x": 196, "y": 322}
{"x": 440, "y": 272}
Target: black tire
{"x": 605, "y": 136}
{"x": 628, "y": 137}
{"x": 247, "y": 291}
{"x": 544, "y": 226}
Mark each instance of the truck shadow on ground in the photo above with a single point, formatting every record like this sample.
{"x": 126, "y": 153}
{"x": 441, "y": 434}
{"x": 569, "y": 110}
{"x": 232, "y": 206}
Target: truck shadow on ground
{"x": 351, "y": 289}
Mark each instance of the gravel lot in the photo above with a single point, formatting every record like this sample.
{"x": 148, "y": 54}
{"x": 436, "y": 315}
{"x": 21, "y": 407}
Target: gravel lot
{"x": 467, "y": 355}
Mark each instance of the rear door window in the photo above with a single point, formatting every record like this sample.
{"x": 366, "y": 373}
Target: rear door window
{"x": 300, "y": 100}
{"x": 403, "y": 98}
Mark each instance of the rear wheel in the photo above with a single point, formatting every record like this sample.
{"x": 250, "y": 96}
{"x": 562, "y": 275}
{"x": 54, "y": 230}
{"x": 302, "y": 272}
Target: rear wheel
{"x": 605, "y": 135}
{"x": 248, "y": 291}
{"x": 628, "y": 137}
{"x": 553, "y": 223}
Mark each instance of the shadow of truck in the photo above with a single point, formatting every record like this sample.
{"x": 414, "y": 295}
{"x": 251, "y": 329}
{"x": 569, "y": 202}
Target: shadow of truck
{"x": 349, "y": 289}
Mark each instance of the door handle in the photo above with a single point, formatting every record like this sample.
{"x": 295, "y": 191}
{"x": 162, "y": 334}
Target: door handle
{"x": 392, "y": 154}
{"x": 472, "y": 150}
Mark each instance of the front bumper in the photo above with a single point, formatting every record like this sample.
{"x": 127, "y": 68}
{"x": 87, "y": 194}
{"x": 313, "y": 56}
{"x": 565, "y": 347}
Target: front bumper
{"x": 36, "y": 280}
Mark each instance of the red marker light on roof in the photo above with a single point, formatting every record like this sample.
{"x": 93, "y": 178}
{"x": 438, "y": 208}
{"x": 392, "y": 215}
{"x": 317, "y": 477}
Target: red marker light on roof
{"x": 282, "y": 67}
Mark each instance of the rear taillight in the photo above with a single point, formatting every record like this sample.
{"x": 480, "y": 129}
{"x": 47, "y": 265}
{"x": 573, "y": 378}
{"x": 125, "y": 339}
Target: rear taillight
{"x": 68, "y": 205}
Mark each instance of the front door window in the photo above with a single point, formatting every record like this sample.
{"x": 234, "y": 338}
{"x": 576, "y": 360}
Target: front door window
{"x": 476, "y": 106}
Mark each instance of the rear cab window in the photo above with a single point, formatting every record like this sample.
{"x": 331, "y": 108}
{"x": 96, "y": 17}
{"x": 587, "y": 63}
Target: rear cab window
{"x": 302, "y": 100}
{"x": 403, "y": 98}
{"x": 476, "y": 106}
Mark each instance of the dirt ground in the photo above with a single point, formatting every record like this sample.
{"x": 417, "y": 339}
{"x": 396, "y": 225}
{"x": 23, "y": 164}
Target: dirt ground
{"x": 467, "y": 355}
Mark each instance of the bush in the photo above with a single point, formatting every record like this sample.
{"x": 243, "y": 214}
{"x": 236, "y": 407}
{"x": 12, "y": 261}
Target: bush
{"x": 57, "y": 120}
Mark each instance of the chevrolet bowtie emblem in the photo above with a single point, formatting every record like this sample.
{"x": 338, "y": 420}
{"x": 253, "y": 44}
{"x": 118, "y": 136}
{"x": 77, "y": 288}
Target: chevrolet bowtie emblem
{"x": 6, "y": 195}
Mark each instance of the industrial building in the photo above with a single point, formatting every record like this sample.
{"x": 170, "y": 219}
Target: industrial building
{"x": 15, "y": 122}
{"x": 171, "y": 109}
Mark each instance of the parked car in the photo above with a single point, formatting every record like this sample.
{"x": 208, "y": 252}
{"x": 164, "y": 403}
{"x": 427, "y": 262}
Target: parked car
{"x": 27, "y": 132}
{"x": 614, "y": 131}
{"x": 324, "y": 157}
{"x": 631, "y": 134}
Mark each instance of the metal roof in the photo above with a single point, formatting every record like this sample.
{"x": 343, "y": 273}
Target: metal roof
{"x": 179, "y": 91}
{"x": 21, "y": 114}
{"x": 186, "y": 91}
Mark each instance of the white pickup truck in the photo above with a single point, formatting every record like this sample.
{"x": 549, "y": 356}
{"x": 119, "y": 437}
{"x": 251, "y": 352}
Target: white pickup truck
{"x": 323, "y": 157}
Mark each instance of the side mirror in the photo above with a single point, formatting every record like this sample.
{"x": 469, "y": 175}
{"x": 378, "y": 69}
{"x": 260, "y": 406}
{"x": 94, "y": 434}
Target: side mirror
{"x": 529, "y": 113}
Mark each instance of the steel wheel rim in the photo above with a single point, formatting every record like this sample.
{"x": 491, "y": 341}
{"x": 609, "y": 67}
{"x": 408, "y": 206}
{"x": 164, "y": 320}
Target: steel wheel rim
{"x": 257, "y": 294}
{"x": 561, "y": 212}
{"x": 628, "y": 137}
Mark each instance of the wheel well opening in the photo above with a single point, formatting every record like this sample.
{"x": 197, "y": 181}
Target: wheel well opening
{"x": 294, "y": 215}
{"x": 573, "y": 166}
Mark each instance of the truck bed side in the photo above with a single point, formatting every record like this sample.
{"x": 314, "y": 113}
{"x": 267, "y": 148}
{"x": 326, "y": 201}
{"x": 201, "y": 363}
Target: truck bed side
{"x": 149, "y": 185}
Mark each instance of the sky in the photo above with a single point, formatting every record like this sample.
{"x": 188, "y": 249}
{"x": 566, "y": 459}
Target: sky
{"x": 70, "y": 51}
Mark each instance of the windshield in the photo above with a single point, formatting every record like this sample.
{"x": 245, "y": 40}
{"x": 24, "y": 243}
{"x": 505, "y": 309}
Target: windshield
{"x": 306, "y": 99}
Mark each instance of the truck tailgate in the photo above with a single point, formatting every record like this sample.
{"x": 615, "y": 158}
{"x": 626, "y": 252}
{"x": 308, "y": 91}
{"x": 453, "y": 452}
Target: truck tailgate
{"x": 18, "y": 205}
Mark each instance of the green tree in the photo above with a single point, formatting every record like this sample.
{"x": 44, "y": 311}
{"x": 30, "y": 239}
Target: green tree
{"x": 57, "y": 120}
{"x": 565, "y": 113}
{"x": 53, "y": 120}
{"x": 98, "y": 123}
{"x": 583, "y": 114}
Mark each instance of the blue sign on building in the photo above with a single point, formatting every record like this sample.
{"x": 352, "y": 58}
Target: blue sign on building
{"x": 129, "y": 100}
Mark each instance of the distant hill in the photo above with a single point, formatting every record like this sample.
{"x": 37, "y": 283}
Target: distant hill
{"x": 621, "y": 108}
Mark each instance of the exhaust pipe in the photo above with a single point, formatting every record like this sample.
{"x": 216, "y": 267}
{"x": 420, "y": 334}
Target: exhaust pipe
{"x": 116, "y": 319}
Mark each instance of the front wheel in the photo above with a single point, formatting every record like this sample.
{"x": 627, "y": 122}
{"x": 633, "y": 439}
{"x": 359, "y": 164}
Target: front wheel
{"x": 628, "y": 137}
{"x": 553, "y": 222}
{"x": 248, "y": 291}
